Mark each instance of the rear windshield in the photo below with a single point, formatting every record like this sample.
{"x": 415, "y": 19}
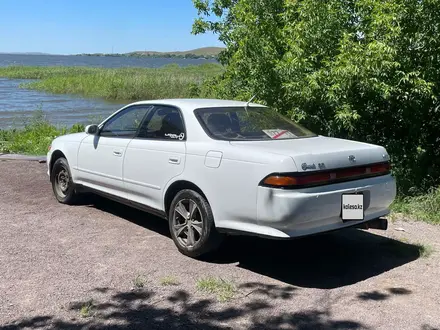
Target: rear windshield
{"x": 253, "y": 123}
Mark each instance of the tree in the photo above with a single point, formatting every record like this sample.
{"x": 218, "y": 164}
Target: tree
{"x": 358, "y": 69}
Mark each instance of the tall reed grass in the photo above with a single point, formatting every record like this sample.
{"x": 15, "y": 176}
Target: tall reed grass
{"x": 124, "y": 84}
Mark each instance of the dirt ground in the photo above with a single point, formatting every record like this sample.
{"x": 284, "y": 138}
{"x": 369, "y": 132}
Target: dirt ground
{"x": 101, "y": 266}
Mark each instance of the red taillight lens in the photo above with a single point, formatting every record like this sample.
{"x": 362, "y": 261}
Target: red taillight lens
{"x": 380, "y": 168}
{"x": 314, "y": 179}
{"x": 300, "y": 180}
{"x": 350, "y": 172}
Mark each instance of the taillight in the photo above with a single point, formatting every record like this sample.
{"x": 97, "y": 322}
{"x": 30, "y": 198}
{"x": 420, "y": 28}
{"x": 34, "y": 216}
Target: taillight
{"x": 280, "y": 181}
{"x": 379, "y": 168}
{"x": 49, "y": 147}
{"x": 309, "y": 179}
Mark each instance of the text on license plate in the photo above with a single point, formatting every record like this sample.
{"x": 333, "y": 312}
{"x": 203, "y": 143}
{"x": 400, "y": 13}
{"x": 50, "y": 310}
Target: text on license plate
{"x": 352, "y": 207}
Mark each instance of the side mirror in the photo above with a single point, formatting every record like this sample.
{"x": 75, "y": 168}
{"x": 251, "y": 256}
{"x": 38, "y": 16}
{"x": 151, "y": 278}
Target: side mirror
{"x": 92, "y": 129}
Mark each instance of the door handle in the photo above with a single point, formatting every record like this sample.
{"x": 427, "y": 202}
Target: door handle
{"x": 174, "y": 160}
{"x": 117, "y": 153}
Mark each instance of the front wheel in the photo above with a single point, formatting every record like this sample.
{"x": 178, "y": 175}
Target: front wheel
{"x": 192, "y": 224}
{"x": 62, "y": 184}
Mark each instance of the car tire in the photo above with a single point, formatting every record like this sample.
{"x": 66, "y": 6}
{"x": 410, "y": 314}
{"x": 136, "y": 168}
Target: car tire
{"x": 191, "y": 224}
{"x": 62, "y": 183}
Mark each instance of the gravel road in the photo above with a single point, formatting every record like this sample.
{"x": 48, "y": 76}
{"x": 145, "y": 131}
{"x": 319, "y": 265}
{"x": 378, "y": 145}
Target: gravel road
{"x": 102, "y": 265}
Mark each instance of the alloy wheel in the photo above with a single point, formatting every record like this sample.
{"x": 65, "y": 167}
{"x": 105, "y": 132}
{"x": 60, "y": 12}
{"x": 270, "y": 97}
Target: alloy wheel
{"x": 187, "y": 222}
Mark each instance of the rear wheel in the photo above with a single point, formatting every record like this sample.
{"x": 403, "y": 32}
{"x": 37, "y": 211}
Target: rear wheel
{"x": 62, "y": 184}
{"x": 192, "y": 224}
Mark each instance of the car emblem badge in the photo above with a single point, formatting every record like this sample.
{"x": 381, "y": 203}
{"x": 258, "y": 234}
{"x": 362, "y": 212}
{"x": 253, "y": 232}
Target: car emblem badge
{"x": 306, "y": 166}
{"x": 352, "y": 158}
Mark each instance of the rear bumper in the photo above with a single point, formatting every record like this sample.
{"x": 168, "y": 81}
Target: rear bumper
{"x": 295, "y": 213}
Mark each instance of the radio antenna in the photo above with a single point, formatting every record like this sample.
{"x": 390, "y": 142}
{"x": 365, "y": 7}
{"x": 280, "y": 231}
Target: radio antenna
{"x": 247, "y": 104}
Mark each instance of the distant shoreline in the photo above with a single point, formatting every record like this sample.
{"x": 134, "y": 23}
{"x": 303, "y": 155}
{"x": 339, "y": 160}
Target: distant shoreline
{"x": 199, "y": 53}
{"x": 152, "y": 55}
{"x": 208, "y": 53}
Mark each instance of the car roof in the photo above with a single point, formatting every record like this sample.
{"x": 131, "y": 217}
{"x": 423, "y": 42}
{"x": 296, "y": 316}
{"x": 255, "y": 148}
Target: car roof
{"x": 191, "y": 104}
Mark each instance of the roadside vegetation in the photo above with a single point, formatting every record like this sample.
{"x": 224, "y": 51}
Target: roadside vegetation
{"x": 425, "y": 207}
{"x": 123, "y": 84}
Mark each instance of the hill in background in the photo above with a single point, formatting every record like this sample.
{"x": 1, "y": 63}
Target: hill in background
{"x": 205, "y": 52}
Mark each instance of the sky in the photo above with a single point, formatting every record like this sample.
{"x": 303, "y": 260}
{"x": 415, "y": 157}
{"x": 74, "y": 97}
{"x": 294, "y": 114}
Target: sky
{"x": 98, "y": 26}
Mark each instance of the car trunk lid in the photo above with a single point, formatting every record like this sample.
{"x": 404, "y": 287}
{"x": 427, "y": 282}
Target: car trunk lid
{"x": 321, "y": 153}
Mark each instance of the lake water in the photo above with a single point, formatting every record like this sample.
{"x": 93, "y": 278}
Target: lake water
{"x": 17, "y": 105}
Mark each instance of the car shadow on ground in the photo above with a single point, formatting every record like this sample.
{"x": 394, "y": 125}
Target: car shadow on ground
{"x": 140, "y": 218}
{"x": 323, "y": 261}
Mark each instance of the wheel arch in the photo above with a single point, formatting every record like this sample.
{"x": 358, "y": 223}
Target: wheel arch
{"x": 57, "y": 154}
{"x": 177, "y": 186}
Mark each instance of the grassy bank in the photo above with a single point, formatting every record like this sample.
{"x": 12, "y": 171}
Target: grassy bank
{"x": 35, "y": 137}
{"x": 125, "y": 84}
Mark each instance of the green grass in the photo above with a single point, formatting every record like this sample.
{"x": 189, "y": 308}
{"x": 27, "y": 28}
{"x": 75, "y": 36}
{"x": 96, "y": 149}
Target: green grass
{"x": 425, "y": 250}
{"x": 224, "y": 290}
{"x": 87, "y": 309}
{"x": 123, "y": 84}
{"x": 425, "y": 207}
{"x": 35, "y": 137}
{"x": 169, "y": 281}
{"x": 140, "y": 281}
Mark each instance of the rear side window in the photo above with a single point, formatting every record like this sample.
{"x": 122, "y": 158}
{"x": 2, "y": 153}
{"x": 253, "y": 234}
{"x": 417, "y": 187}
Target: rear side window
{"x": 163, "y": 123}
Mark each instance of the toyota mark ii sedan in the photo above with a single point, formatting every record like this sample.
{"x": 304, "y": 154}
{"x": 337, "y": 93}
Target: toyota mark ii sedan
{"x": 216, "y": 167}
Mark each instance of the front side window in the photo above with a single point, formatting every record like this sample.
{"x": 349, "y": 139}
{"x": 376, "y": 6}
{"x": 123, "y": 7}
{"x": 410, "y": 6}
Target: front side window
{"x": 126, "y": 123}
{"x": 253, "y": 123}
{"x": 163, "y": 123}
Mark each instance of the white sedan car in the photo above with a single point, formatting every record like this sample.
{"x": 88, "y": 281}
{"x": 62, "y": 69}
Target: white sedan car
{"x": 212, "y": 167}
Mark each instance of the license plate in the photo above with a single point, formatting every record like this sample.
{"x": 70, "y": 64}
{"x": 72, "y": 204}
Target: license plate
{"x": 352, "y": 206}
